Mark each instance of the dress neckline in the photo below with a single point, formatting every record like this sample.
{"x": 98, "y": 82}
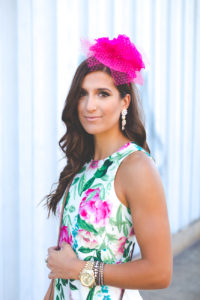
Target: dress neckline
{"x": 121, "y": 148}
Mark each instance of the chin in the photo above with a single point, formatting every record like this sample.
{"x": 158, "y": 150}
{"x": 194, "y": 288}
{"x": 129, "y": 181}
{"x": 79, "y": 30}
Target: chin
{"x": 94, "y": 129}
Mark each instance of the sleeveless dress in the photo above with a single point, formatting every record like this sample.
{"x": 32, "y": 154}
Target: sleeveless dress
{"x": 97, "y": 225}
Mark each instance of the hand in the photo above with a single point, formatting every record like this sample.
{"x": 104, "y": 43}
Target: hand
{"x": 63, "y": 263}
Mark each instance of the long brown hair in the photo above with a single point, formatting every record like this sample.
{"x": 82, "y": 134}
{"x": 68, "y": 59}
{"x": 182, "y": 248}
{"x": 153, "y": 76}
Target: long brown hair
{"x": 77, "y": 144}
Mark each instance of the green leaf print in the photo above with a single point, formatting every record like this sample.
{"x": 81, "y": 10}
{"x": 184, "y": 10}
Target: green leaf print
{"x": 98, "y": 185}
{"x": 62, "y": 293}
{"x": 113, "y": 256}
{"x": 103, "y": 170}
{"x": 108, "y": 186}
{"x": 126, "y": 251}
{"x": 101, "y": 230}
{"x": 64, "y": 281}
{"x": 98, "y": 255}
{"x": 88, "y": 184}
{"x": 129, "y": 211}
{"x": 57, "y": 298}
{"x": 69, "y": 222}
{"x": 81, "y": 184}
{"x": 102, "y": 193}
{"x": 102, "y": 246}
{"x": 125, "y": 230}
{"x": 112, "y": 237}
{"x": 128, "y": 221}
{"x": 105, "y": 177}
{"x": 72, "y": 286}
{"x": 119, "y": 156}
{"x": 71, "y": 209}
{"x": 67, "y": 200}
{"x": 91, "y": 294}
{"x": 91, "y": 195}
{"x": 112, "y": 221}
{"x": 119, "y": 218}
{"x": 127, "y": 259}
{"x": 88, "y": 258}
{"x": 58, "y": 285}
{"x": 75, "y": 180}
{"x": 84, "y": 225}
{"x": 85, "y": 250}
{"x": 98, "y": 174}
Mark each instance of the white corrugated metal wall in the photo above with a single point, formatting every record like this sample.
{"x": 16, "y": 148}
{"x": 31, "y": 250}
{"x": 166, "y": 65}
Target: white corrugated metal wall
{"x": 39, "y": 52}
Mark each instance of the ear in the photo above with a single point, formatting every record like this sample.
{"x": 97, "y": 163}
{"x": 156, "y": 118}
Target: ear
{"x": 126, "y": 101}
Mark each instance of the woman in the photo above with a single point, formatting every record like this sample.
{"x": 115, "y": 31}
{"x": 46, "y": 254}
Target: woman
{"x": 116, "y": 194}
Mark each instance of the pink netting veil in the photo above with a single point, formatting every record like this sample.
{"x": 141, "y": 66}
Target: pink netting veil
{"x": 119, "y": 54}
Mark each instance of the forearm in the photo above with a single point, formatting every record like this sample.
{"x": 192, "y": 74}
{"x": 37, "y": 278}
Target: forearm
{"x": 138, "y": 274}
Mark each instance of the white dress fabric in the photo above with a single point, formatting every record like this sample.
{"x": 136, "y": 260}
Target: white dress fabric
{"x": 97, "y": 225}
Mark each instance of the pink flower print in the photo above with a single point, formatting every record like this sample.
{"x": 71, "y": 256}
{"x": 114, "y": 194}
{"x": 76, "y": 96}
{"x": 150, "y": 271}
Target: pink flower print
{"x": 89, "y": 191}
{"x": 122, "y": 242}
{"x": 125, "y": 146}
{"x": 87, "y": 238}
{"x": 132, "y": 232}
{"x": 93, "y": 164}
{"x": 64, "y": 236}
{"x": 95, "y": 210}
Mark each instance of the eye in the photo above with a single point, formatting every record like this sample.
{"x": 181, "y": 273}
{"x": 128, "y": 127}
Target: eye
{"x": 82, "y": 93}
{"x": 104, "y": 94}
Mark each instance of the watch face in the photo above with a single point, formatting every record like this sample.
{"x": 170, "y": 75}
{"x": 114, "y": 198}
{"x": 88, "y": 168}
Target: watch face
{"x": 87, "y": 278}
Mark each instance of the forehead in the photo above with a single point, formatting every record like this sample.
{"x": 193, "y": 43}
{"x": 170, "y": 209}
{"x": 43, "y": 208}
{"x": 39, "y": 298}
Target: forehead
{"x": 98, "y": 79}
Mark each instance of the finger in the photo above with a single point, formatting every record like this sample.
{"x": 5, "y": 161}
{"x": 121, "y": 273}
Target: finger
{"x": 48, "y": 265}
{"x": 51, "y": 275}
{"x": 53, "y": 248}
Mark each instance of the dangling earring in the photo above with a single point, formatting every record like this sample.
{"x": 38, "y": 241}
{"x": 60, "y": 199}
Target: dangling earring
{"x": 124, "y": 113}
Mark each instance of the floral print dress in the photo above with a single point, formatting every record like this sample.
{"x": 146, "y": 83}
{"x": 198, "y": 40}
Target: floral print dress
{"x": 97, "y": 225}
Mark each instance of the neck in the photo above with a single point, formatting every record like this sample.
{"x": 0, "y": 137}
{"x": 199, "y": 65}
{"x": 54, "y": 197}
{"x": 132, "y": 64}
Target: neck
{"x": 106, "y": 144}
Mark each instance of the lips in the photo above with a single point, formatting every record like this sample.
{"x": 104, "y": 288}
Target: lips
{"x": 92, "y": 118}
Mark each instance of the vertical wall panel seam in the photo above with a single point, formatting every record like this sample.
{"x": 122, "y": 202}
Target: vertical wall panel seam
{"x": 17, "y": 147}
{"x": 168, "y": 62}
{"x": 193, "y": 104}
{"x": 112, "y": 7}
{"x": 32, "y": 133}
{"x": 182, "y": 113}
{"x": 56, "y": 85}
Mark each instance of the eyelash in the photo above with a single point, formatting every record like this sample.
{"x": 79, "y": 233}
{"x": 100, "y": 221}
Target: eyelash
{"x": 103, "y": 94}
{"x": 82, "y": 93}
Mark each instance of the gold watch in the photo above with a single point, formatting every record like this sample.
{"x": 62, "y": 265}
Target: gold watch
{"x": 86, "y": 276}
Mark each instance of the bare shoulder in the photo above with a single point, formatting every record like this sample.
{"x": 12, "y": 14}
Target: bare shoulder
{"x": 138, "y": 163}
{"x": 140, "y": 179}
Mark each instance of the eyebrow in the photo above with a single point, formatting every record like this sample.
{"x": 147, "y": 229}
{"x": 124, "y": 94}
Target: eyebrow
{"x": 100, "y": 89}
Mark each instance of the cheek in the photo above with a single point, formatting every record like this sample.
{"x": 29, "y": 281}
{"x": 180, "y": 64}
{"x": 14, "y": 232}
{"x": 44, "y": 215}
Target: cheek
{"x": 113, "y": 111}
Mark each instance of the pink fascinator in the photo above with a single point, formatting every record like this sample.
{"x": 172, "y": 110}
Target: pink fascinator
{"x": 119, "y": 54}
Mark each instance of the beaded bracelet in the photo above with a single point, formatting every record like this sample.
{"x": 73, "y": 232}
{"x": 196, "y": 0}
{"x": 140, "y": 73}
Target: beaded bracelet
{"x": 98, "y": 272}
{"x": 101, "y": 273}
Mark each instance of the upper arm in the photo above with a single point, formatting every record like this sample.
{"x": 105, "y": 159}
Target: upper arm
{"x": 143, "y": 190}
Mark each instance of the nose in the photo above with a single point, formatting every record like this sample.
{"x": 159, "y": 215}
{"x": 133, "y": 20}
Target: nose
{"x": 90, "y": 103}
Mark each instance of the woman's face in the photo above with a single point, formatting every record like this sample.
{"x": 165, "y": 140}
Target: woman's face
{"x": 100, "y": 104}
